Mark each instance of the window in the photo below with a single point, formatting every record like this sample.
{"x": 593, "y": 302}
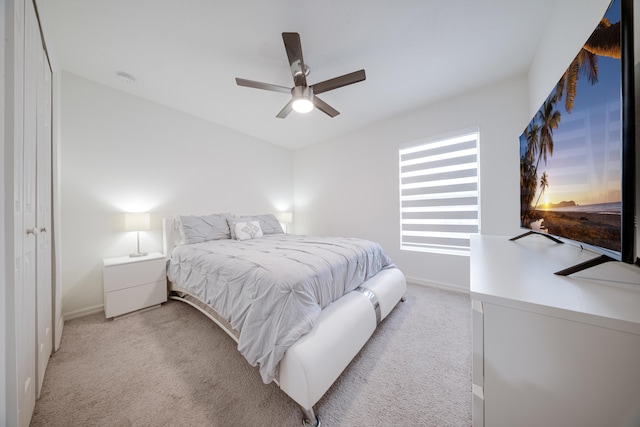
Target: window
{"x": 439, "y": 194}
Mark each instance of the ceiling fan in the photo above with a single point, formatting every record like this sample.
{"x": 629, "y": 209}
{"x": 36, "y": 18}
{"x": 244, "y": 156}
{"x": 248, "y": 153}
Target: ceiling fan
{"x": 303, "y": 97}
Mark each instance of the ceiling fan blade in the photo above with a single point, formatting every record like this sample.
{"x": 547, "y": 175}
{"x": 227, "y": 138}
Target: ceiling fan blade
{"x": 293, "y": 46}
{"x": 286, "y": 110}
{"x": 324, "y": 107}
{"x": 336, "y": 82}
{"x": 260, "y": 85}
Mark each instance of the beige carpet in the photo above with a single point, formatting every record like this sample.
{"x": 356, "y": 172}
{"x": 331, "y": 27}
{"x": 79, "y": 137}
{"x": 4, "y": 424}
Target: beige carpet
{"x": 171, "y": 366}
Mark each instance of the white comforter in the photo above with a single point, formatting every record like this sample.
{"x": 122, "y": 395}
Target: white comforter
{"x": 272, "y": 289}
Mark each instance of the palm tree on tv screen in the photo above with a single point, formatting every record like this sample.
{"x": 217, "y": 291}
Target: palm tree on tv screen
{"x": 528, "y": 177}
{"x": 544, "y": 183}
{"x": 604, "y": 41}
{"x": 531, "y": 135}
{"x": 549, "y": 119}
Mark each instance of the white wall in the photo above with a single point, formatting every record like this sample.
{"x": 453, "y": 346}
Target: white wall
{"x": 349, "y": 186}
{"x": 123, "y": 153}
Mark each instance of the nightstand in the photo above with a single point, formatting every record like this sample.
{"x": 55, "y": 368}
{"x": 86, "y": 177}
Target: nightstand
{"x": 133, "y": 283}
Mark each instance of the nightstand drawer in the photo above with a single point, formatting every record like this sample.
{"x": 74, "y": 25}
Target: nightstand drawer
{"x": 135, "y": 298}
{"x": 136, "y": 273}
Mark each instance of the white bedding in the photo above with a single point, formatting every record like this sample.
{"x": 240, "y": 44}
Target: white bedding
{"x": 272, "y": 289}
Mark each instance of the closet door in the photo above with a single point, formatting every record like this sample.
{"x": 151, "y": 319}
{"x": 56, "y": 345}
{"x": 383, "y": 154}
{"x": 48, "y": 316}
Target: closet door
{"x": 44, "y": 313}
{"x": 22, "y": 391}
{"x": 27, "y": 302}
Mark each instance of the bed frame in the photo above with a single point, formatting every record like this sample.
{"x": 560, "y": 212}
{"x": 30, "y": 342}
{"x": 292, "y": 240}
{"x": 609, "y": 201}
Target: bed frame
{"x": 315, "y": 361}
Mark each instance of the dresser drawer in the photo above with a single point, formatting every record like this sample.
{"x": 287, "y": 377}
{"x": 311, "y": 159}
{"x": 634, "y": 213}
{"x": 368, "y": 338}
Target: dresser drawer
{"x": 123, "y": 276}
{"x": 134, "y": 298}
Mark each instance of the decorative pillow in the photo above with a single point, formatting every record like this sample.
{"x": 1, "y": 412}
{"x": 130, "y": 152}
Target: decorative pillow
{"x": 248, "y": 230}
{"x": 268, "y": 223}
{"x": 196, "y": 229}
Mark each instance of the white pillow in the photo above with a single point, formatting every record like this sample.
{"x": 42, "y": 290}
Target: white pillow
{"x": 248, "y": 230}
{"x": 202, "y": 228}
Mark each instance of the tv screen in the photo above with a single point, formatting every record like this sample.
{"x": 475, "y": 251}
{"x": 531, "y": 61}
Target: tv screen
{"x": 577, "y": 178}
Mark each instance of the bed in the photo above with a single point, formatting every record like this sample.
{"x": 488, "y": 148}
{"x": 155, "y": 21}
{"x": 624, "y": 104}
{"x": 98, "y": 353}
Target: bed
{"x": 299, "y": 307}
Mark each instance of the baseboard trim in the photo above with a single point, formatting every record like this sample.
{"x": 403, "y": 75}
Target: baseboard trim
{"x": 439, "y": 285}
{"x": 82, "y": 312}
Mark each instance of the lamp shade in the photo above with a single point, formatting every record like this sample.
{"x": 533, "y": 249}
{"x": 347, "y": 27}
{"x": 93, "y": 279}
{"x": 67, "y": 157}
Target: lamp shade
{"x": 137, "y": 221}
{"x": 285, "y": 217}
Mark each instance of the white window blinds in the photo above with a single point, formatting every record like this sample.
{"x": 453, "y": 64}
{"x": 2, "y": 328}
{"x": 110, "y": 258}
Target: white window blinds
{"x": 439, "y": 195}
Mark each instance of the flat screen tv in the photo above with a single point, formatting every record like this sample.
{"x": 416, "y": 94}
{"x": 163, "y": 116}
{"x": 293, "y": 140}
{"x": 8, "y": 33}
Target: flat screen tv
{"x": 577, "y": 155}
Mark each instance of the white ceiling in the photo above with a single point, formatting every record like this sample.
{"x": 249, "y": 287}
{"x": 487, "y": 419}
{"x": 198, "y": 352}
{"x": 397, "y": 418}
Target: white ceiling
{"x": 186, "y": 54}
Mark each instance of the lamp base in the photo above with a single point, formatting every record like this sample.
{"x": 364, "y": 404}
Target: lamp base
{"x": 138, "y": 254}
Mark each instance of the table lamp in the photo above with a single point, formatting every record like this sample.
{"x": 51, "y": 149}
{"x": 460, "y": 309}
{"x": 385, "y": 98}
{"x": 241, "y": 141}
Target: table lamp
{"x": 137, "y": 222}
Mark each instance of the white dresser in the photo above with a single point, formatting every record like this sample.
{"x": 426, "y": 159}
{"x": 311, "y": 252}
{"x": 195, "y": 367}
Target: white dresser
{"x": 133, "y": 283}
{"x": 551, "y": 350}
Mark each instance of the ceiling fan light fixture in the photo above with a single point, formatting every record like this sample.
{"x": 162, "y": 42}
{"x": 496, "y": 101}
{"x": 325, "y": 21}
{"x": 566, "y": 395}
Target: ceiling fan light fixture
{"x": 302, "y": 105}
{"x": 302, "y": 99}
